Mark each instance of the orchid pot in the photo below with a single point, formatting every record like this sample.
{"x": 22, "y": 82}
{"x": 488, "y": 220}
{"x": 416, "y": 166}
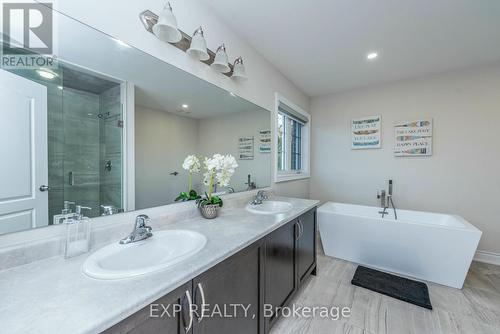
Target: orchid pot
{"x": 218, "y": 171}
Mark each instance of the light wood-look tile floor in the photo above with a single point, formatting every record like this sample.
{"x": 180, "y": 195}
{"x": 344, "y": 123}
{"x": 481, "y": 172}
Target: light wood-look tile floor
{"x": 473, "y": 310}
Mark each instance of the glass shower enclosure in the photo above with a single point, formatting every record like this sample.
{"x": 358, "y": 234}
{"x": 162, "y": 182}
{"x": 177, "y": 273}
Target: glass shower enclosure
{"x": 85, "y": 139}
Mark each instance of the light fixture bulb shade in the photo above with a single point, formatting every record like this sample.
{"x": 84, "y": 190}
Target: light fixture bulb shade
{"x": 166, "y": 27}
{"x": 220, "y": 63}
{"x": 239, "y": 70}
{"x": 198, "y": 47}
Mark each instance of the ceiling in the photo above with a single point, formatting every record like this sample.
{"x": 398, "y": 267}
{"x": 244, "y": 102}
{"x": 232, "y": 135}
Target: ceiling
{"x": 321, "y": 45}
{"x": 73, "y": 77}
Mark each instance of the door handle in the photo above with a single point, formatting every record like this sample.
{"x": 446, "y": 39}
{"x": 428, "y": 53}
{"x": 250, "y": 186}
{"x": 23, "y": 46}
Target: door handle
{"x": 44, "y": 188}
{"x": 187, "y": 327}
{"x": 71, "y": 177}
{"x": 199, "y": 288}
{"x": 297, "y": 230}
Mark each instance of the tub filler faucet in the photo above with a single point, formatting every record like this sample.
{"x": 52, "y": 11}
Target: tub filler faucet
{"x": 386, "y": 201}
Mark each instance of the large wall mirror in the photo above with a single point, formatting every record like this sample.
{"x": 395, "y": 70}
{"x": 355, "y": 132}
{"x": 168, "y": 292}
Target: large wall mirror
{"x": 71, "y": 133}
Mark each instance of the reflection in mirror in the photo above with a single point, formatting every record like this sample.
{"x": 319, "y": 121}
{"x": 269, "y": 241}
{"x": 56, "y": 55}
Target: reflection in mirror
{"x": 83, "y": 139}
{"x": 163, "y": 139}
{"x": 71, "y": 132}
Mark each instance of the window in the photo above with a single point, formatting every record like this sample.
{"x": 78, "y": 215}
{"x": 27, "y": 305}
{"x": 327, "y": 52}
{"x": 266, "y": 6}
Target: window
{"x": 292, "y": 138}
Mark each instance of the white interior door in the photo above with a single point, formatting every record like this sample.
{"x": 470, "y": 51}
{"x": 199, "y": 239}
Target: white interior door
{"x": 23, "y": 153}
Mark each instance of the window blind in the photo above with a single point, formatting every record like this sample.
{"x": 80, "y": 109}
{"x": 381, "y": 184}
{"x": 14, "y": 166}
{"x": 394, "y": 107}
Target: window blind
{"x": 284, "y": 109}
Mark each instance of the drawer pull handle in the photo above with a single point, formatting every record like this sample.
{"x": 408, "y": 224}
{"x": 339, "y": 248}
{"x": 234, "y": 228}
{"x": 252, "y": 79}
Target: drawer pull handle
{"x": 190, "y": 310}
{"x": 199, "y": 288}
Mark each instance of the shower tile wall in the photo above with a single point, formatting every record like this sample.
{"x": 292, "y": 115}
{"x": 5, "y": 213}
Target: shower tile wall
{"x": 55, "y": 149}
{"x": 111, "y": 129}
{"x": 81, "y": 149}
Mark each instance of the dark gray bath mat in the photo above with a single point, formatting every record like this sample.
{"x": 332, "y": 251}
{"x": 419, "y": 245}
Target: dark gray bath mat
{"x": 394, "y": 286}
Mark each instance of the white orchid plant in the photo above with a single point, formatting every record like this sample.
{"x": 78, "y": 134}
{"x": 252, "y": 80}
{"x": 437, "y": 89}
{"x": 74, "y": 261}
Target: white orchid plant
{"x": 193, "y": 165}
{"x": 218, "y": 170}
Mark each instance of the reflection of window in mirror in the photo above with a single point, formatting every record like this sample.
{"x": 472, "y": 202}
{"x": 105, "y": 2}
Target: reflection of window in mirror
{"x": 292, "y": 140}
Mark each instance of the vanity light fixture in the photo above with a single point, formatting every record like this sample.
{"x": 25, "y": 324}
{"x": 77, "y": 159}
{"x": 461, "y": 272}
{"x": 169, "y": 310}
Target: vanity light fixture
{"x": 221, "y": 63}
{"x": 198, "y": 46}
{"x": 46, "y": 74}
{"x": 60, "y": 87}
{"x": 372, "y": 55}
{"x": 166, "y": 27}
{"x": 239, "y": 71}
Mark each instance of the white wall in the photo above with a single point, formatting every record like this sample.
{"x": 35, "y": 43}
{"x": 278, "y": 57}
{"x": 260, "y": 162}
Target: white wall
{"x": 121, "y": 21}
{"x": 162, "y": 141}
{"x": 229, "y": 128}
{"x": 462, "y": 177}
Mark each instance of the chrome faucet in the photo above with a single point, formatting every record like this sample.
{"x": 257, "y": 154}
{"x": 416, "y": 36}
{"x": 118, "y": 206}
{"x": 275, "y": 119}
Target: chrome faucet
{"x": 386, "y": 201}
{"x": 140, "y": 232}
{"x": 382, "y": 196}
{"x": 78, "y": 211}
{"x": 260, "y": 197}
{"x": 108, "y": 210}
{"x": 251, "y": 184}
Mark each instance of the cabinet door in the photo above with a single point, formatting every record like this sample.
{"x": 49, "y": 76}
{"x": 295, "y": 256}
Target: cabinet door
{"x": 306, "y": 245}
{"x": 233, "y": 295}
{"x": 169, "y": 314}
{"x": 281, "y": 271}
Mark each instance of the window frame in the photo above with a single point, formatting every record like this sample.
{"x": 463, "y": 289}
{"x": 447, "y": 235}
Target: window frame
{"x": 288, "y": 174}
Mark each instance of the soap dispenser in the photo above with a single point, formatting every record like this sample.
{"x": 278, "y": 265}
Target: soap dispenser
{"x": 77, "y": 233}
{"x": 65, "y": 213}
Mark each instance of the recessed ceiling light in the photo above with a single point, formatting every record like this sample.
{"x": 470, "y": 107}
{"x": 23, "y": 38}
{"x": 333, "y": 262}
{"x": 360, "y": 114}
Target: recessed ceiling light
{"x": 372, "y": 55}
{"x": 46, "y": 74}
{"x": 185, "y": 106}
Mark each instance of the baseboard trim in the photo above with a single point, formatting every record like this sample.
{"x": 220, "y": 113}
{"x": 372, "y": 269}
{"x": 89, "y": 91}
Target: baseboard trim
{"x": 487, "y": 257}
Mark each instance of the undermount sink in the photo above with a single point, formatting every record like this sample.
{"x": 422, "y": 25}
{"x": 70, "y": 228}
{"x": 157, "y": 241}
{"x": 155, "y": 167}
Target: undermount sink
{"x": 269, "y": 207}
{"x": 162, "y": 250}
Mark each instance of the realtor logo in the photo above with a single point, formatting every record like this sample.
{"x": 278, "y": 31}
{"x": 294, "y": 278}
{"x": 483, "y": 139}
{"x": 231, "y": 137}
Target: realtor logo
{"x": 27, "y": 29}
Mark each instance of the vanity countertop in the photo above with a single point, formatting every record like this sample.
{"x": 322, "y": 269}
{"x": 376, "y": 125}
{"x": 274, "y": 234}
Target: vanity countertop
{"x": 54, "y": 296}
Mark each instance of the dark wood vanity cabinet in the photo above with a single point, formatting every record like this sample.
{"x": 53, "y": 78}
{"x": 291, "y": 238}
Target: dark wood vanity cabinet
{"x": 270, "y": 271}
{"x": 153, "y": 319}
{"x": 306, "y": 245}
{"x": 281, "y": 266}
{"x": 290, "y": 258}
{"x": 234, "y": 294}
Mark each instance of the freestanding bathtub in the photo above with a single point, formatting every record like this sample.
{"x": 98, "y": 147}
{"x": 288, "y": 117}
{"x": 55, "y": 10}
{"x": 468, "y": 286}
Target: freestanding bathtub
{"x": 428, "y": 246}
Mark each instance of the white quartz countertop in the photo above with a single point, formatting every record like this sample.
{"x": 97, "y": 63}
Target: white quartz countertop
{"x": 54, "y": 296}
